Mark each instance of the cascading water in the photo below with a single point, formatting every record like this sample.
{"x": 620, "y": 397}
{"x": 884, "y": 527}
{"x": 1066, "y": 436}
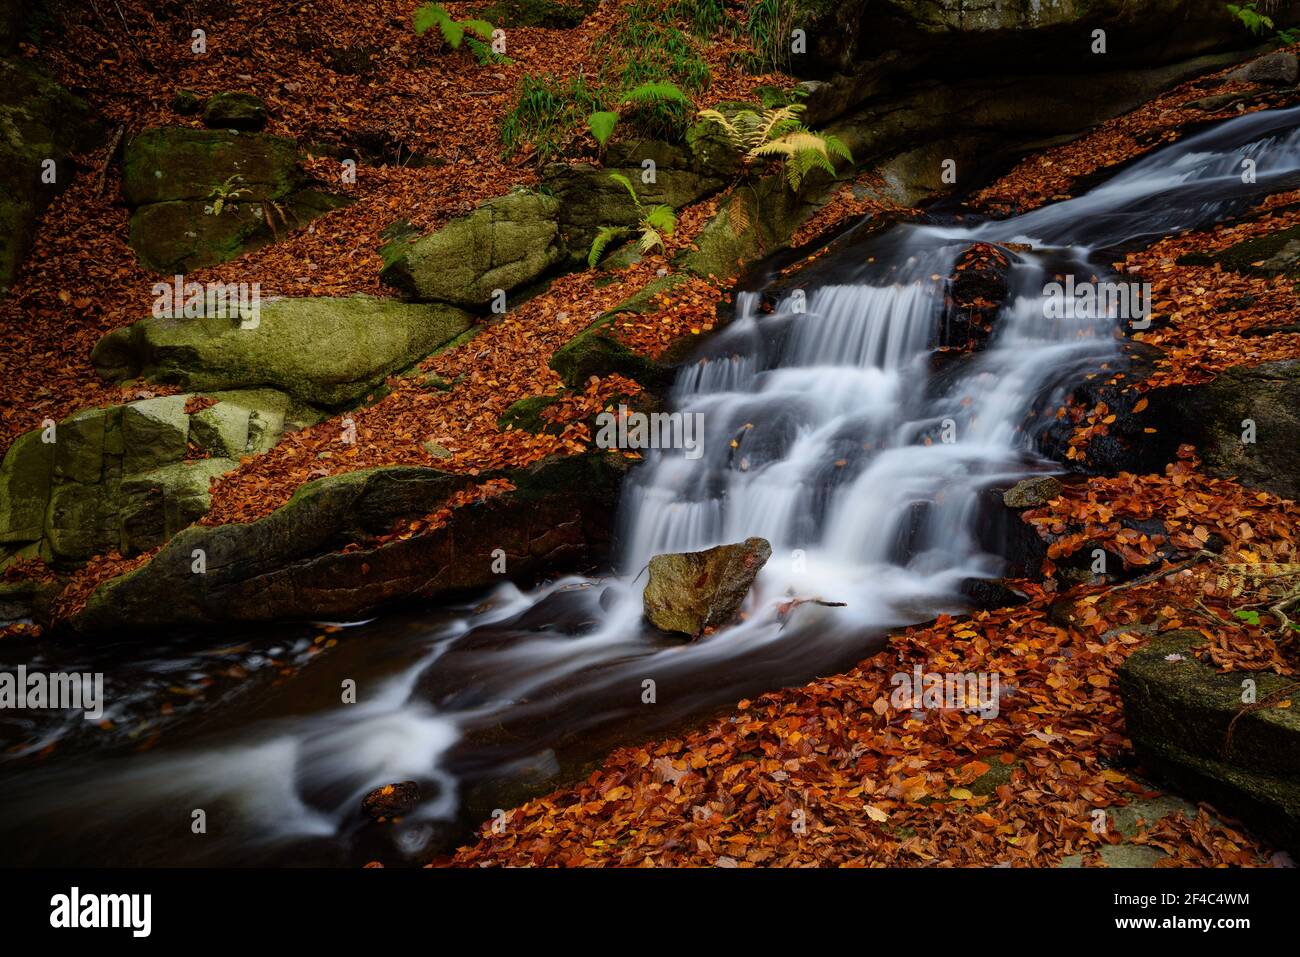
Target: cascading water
{"x": 826, "y": 432}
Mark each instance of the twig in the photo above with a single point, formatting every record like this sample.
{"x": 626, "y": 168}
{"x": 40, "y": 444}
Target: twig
{"x": 108, "y": 159}
{"x": 1144, "y": 579}
{"x": 130, "y": 37}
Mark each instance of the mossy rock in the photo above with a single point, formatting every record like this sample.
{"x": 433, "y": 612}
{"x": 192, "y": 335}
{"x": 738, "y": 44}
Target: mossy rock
{"x": 235, "y": 111}
{"x": 1178, "y": 709}
{"x": 40, "y": 122}
{"x": 173, "y": 163}
{"x": 126, "y": 478}
{"x": 291, "y": 565}
{"x": 688, "y": 592}
{"x": 1273, "y": 254}
{"x": 526, "y": 414}
{"x": 506, "y": 243}
{"x": 324, "y": 352}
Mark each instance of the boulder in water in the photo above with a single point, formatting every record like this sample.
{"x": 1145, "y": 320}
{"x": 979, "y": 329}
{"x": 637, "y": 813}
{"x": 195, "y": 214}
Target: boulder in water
{"x": 391, "y": 800}
{"x": 689, "y": 592}
{"x": 1032, "y": 492}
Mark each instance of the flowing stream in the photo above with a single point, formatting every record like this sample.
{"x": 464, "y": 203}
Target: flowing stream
{"x": 829, "y": 429}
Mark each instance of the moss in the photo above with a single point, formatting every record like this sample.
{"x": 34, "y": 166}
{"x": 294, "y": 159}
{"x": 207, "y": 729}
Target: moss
{"x": 526, "y": 414}
{"x": 1273, "y": 254}
{"x": 535, "y": 13}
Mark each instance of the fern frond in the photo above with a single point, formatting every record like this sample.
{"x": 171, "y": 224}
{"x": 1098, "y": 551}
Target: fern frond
{"x": 650, "y": 238}
{"x": 480, "y": 28}
{"x": 627, "y": 185}
{"x": 650, "y": 92}
{"x": 452, "y": 32}
{"x": 427, "y": 16}
{"x": 738, "y": 216}
{"x": 604, "y": 236}
{"x": 662, "y": 218}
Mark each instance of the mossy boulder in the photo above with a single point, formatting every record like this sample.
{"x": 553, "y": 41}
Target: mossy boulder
{"x": 291, "y": 565}
{"x": 235, "y": 111}
{"x": 200, "y": 197}
{"x": 1244, "y": 424}
{"x": 1178, "y": 710}
{"x": 689, "y": 592}
{"x": 505, "y": 243}
{"x": 40, "y": 123}
{"x": 325, "y": 352}
{"x": 128, "y": 477}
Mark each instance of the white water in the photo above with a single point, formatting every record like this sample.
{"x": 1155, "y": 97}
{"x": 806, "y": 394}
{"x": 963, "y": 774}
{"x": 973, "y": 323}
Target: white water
{"x": 830, "y": 411}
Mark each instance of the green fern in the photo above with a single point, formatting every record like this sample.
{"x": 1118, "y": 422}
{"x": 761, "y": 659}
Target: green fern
{"x": 1251, "y": 18}
{"x": 655, "y": 92}
{"x": 654, "y": 224}
{"x": 604, "y": 236}
{"x": 430, "y": 15}
{"x": 776, "y": 133}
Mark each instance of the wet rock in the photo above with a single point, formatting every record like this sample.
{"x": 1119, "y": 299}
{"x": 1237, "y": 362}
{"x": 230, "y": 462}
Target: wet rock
{"x": 989, "y": 593}
{"x": 506, "y": 243}
{"x": 1178, "y": 710}
{"x": 290, "y": 565}
{"x": 1276, "y": 69}
{"x": 1000, "y": 530}
{"x": 689, "y": 592}
{"x": 235, "y": 111}
{"x": 324, "y": 352}
{"x": 975, "y": 294}
{"x": 1243, "y": 424}
{"x": 391, "y": 800}
{"x": 1032, "y": 492}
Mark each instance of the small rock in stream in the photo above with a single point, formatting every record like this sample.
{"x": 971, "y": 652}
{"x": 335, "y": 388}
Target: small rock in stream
{"x": 391, "y": 800}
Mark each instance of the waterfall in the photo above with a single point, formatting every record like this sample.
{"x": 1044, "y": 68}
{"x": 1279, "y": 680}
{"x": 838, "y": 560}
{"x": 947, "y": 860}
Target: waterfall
{"x": 827, "y": 431}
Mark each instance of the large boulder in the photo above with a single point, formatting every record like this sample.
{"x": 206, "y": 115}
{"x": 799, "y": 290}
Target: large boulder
{"x": 200, "y": 197}
{"x": 40, "y": 122}
{"x": 689, "y": 592}
{"x": 292, "y": 564}
{"x": 126, "y": 478}
{"x": 958, "y": 36}
{"x": 1190, "y": 727}
{"x": 325, "y": 352}
{"x": 506, "y": 243}
{"x": 1244, "y": 424}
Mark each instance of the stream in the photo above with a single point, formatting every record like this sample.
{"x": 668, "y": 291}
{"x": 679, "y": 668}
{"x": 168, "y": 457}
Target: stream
{"x": 829, "y": 430}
